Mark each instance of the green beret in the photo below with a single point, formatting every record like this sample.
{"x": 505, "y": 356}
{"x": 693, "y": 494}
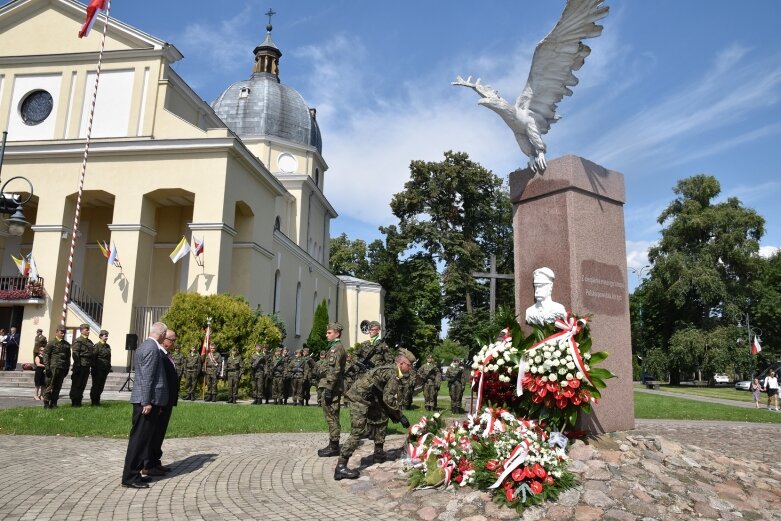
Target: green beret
{"x": 406, "y": 354}
{"x": 336, "y": 326}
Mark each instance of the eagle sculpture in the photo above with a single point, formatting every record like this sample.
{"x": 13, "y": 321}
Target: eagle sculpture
{"x": 550, "y": 78}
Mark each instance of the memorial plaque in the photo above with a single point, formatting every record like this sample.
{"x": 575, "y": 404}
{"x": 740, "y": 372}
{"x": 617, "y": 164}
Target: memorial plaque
{"x": 603, "y": 288}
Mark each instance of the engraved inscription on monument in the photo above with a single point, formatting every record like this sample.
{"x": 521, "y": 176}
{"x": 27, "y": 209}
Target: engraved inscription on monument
{"x": 604, "y": 287}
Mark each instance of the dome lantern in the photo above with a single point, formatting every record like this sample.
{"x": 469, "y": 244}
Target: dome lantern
{"x": 267, "y": 54}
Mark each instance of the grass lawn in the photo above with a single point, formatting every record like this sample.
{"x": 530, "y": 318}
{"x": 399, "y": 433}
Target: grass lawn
{"x": 112, "y": 420}
{"x": 724, "y": 393}
{"x": 648, "y": 406}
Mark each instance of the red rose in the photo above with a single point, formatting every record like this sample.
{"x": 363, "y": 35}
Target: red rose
{"x": 568, "y": 393}
{"x": 552, "y": 387}
{"x": 585, "y": 395}
{"x": 576, "y": 400}
{"x": 507, "y": 485}
{"x": 549, "y": 401}
{"x": 491, "y": 465}
{"x": 561, "y": 403}
{"x": 536, "y": 486}
{"x": 509, "y": 494}
{"x": 574, "y": 383}
{"x": 459, "y": 478}
{"x": 542, "y": 391}
{"x": 549, "y": 480}
{"x": 536, "y": 398}
{"x": 539, "y": 471}
{"x": 517, "y": 474}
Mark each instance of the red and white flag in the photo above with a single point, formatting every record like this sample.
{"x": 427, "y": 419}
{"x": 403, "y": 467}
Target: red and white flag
{"x": 206, "y": 340}
{"x": 92, "y": 13}
{"x": 197, "y": 247}
{"x": 755, "y": 347}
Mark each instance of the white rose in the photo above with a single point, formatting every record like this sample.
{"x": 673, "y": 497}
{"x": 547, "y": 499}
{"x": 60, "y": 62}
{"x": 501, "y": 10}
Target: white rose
{"x": 537, "y": 360}
{"x": 570, "y": 366}
{"x": 562, "y": 370}
{"x": 500, "y": 361}
{"x": 552, "y": 377}
{"x": 475, "y": 366}
{"x": 546, "y": 354}
{"x": 544, "y": 378}
{"x": 587, "y": 356}
{"x": 587, "y": 367}
{"x": 568, "y": 358}
{"x": 579, "y": 375}
{"x": 569, "y": 376}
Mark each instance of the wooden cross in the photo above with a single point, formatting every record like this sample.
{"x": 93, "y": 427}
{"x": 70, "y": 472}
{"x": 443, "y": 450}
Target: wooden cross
{"x": 492, "y": 276}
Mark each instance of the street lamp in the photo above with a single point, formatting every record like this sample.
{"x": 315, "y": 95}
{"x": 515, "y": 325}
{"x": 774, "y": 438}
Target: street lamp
{"x": 13, "y": 203}
{"x": 640, "y": 272}
{"x": 750, "y": 330}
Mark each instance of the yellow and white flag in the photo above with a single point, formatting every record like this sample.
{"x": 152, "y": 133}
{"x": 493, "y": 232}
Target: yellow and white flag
{"x": 21, "y": 265}
{"x": 181, "y": 250}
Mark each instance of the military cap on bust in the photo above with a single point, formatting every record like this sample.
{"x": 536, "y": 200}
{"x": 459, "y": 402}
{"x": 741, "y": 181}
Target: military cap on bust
{"x": 84, "y": 326}
{"x": 406, "y": 354}
{"x": 336, "y": 326}
{"x": 374, "y": 323}
{"x": 103, "y": 332}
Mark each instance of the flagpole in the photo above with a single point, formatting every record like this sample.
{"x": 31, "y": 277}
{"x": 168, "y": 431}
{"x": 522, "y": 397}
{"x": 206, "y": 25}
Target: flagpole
{"x": 76, "y": 217}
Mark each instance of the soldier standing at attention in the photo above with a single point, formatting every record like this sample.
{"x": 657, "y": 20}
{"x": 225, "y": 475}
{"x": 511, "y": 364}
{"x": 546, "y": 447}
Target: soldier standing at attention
{"x": 287, "y": 378}
{"x": 320, "y": 365}
{"x": 379, "y": 389}
{"x": 82, "y": 352}
{"x": 310, "y": 370}
{"x": 178, "y": 357}
{"x": 297, "y": 377}
{"x": 278, "y": 367}
{"x": 233, "y": 372}
{"x": 192, "y": 370}
{"x": 332, "y": 383}
{"x": 373, "y": 352}
{"x": 256, "y": 376}
{"x": 212, "y": 370}
{"x": 101, "y": 367}
{"x": 432, "y": 378}
{"x": 57, "y": 361}
{"x": 455, "y": 383}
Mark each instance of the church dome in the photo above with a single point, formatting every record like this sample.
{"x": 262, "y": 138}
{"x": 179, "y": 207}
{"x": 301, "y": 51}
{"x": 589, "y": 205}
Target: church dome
{"x": 263, "y": 106}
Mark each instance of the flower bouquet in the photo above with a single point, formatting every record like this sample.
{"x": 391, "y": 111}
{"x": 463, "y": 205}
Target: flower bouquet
{"x": 517, "y": 460}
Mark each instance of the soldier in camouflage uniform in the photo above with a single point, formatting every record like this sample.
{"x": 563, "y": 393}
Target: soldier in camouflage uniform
{"x": 82, "y": 352}
{"x": 233, "y": 368}
{"x": 297, "y": 373}
{"x": 57, "y": 360}
{"x": 332, "y": 385}
{"x": 310, "y": 372}
{"x": 178, "y": 357}
{"x": 257, "y": 365}
{"x": 455, "y": 383}
{"x": 287, "y": 380}
{"x": 278, "y": 369}
{"x": 211, "y": 367}
{"x": 380, "y": 388}
{"x": 101, "y": 367}
{"x": 431, "y": 376}
{"x": 373, "y": 352}
{"x": 410, "y": 382}
{"x": 192, "y": 370}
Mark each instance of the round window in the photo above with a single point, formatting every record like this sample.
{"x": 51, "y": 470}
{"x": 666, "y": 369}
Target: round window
{"x": 36, "y": 107}
{"x": 287, "y": 163}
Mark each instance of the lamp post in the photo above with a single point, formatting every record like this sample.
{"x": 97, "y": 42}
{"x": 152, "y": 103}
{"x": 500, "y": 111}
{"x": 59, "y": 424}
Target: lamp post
{"x": 640, "y": 273}
{"x": 13, "y": 203}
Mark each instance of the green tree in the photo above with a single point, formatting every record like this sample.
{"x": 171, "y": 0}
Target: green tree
{"x": 702, "y": 271}
{"x": 448, "y": 350}
{"x": 766, "y": 291}
{"x": 348, "y": 257}
{"x": 451, "y": 209}
{"x": 316, "y": 340}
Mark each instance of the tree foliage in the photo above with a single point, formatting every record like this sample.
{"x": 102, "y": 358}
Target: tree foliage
{"x": 234, "y": 323}
{"x": 316, "y": 342}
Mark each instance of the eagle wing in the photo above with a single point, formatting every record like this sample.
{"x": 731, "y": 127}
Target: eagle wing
{"x": 555, "y": 57}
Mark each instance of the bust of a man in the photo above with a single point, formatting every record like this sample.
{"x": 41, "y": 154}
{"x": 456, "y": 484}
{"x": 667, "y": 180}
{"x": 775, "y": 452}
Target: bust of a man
{"x": 544, "y": 310}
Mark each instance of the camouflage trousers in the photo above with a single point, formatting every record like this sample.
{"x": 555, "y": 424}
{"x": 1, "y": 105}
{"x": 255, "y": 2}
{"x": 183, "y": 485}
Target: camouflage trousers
{"x": 191, "y": 384}
{"x": 211, "y": 386}
{"x": 430, "y": 391}
{"x": 456, "y": 394}
{"x": 278, "y": 388}
{"x": 298, "y": 390}
{"x": 233, "y": 385}
{"x": 364, "y": 419}
{"x": 258, "y": 381}
{"x": 331, "y": 413}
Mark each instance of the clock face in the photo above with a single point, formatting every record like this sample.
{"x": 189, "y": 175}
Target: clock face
{"x": 287, "y": 163}
{"x": 36, "y": 107}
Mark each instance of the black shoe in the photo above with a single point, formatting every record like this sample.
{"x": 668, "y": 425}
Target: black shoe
{"x": 331, "y": 450}
{"x": 134, "y": 484}
{"x": 342, "y": 472}
{"x": 144, "y": 479}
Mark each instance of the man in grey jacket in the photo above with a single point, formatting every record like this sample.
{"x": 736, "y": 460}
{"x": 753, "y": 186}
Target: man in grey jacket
{"x": 149, "y": 396}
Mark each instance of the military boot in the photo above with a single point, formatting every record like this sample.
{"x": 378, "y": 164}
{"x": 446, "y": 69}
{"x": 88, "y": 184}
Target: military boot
{"x": 379, "y": 454}
{"x": 331, "y": 450}
{"x": 342, "y": 472}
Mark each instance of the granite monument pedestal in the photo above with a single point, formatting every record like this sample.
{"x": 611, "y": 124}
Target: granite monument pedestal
{"x": 571, "y": 219}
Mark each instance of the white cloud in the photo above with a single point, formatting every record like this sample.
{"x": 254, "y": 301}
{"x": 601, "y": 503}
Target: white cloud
{"x": 768, "y": 251}
{"x": 637, "y": 256}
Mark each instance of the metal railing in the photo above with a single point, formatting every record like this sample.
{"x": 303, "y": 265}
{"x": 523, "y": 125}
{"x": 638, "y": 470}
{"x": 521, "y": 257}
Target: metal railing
{"x": 21, "y": 288}
{"x": 91, "y": 306}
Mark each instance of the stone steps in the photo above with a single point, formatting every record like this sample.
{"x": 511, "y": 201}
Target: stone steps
{"x": 25, "y": 379}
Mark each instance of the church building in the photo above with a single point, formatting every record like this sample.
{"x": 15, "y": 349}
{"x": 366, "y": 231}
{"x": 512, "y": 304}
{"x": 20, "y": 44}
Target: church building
{"x": 245, "y": 175}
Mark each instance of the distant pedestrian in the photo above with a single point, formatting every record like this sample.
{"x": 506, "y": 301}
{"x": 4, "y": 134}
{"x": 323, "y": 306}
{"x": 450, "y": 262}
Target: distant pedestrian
{"x": 756, "y": 388}
{"x": 771, "y": 386}
{"x": 11, "y": 350}
{"x": 40, "y": 376}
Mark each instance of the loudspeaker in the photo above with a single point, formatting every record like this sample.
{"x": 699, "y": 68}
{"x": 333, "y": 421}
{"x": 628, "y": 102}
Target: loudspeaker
{"x": 131, "y": 342}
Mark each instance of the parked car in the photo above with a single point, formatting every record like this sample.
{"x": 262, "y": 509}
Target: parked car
{"x": 776, "y": 367}
{"x": 720, "y": 378}
{"x": 743, "y": 385}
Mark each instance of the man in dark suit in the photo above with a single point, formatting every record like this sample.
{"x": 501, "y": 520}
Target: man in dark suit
{"x": 11, "y": 350}
{"x": 153, "y": 465}
{"x": 149, "y": 396}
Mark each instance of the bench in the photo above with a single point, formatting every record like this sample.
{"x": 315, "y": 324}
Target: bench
{"x": 652, "y": 385}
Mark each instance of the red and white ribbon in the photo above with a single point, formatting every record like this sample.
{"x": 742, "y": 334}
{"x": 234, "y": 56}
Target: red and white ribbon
{"x": 493, "y": 352}
{"x": 417, "y": 451}
{"x": 570, "y": 327}
{"x": 516, "y": 458}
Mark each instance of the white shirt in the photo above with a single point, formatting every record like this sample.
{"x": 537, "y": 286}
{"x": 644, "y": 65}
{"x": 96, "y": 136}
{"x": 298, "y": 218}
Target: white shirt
{"x": 771, "y": 382}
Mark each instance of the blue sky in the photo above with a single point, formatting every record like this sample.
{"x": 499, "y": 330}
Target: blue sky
{"x": 671, "y": 89}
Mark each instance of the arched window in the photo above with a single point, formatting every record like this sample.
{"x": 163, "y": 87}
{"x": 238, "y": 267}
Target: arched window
{"x": 277, "y": 223}
{"x": 317, "y": 177}
{"x": 298, "y": 310}
{"x": 277, "y": 291}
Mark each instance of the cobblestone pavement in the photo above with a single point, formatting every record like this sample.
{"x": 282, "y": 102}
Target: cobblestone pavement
{"x": 703, "y": 469}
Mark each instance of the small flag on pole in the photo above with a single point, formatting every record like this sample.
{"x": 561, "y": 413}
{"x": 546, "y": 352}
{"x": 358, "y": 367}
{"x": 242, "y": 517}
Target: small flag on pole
{"x": 197, "y": 246}
{"x": 103, "y": 248}
{"x": 206, "y": 339}
{"x": 181, "y": 250}
{"x": 92, "y": 13}
{"x": 755, "y": 347}
{"x": 21, "y": 265}
{"x": 32, "y": 268}
{"x": 112, "y": 256}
